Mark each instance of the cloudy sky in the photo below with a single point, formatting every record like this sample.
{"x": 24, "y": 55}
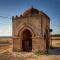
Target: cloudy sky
{"x": 9, "y": 8}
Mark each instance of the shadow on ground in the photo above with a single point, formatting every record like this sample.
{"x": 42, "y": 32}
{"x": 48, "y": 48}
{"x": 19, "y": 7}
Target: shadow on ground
{"x": 54, "y": 51}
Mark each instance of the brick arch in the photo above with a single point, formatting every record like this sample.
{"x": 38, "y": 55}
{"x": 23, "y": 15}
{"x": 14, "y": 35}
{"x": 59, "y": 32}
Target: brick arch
{"x": 24, "y": 28}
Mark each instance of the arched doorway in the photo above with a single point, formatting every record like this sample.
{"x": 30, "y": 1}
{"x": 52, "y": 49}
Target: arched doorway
{"x": 26, "y": 40}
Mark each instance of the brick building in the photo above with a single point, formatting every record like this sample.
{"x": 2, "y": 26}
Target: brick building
{"x": 31, "y": 31}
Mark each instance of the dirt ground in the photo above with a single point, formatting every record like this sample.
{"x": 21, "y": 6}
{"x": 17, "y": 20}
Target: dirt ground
{"x": 27, "y": 56}
{"x": 6, "y": 53}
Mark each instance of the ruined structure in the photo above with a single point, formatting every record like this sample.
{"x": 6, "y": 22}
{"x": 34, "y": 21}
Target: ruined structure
{"x": 31, "y": 31}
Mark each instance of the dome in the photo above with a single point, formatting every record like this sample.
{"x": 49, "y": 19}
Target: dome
{"x": 30, "y": 11}
{"x": 33, "y": 11}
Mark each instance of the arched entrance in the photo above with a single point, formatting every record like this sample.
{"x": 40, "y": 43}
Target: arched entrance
{"x": 26, "y": 40}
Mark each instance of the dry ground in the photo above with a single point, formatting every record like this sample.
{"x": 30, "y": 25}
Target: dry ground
{"x": 27, "y": 56}
{"x": 7, "y": 54}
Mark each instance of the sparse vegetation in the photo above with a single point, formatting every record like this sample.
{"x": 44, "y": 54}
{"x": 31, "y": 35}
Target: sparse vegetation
{"x": 38, "y": 53}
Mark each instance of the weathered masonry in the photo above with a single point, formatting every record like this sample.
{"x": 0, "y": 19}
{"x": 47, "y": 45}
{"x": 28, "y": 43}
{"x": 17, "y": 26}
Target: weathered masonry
{"x": 31, "y": 31}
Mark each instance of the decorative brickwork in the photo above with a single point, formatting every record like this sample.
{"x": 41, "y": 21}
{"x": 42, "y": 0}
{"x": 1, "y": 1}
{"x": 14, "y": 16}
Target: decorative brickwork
{"x": 36, "y": 24}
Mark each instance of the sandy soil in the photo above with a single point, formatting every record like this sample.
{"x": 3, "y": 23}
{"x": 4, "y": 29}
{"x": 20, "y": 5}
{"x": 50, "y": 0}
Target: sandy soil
{"x": 27, "y": 56}
{"x": 7, "y": 54}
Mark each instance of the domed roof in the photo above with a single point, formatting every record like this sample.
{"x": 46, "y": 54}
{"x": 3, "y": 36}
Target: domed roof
{"x": 33, "y": 11}
{"x": 30, "y": 11}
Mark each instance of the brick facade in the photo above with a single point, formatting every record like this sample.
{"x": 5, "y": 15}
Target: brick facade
{"x": 38, "y": 24}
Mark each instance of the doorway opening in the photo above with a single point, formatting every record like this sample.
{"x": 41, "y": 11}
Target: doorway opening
{"x": 26, "y": 40}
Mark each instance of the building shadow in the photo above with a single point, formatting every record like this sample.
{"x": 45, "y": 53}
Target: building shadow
{"x": 54, "y": 51}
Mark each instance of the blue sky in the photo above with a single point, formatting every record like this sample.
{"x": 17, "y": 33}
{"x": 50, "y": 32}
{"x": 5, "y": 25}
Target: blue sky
{"x": 9, "y": 8}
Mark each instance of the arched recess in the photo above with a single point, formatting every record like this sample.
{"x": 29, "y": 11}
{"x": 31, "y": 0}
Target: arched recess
{"x": 26, "y": 40}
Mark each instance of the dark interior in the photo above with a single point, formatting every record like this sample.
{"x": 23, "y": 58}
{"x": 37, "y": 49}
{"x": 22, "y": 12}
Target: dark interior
{"x": 26, "y": 40}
